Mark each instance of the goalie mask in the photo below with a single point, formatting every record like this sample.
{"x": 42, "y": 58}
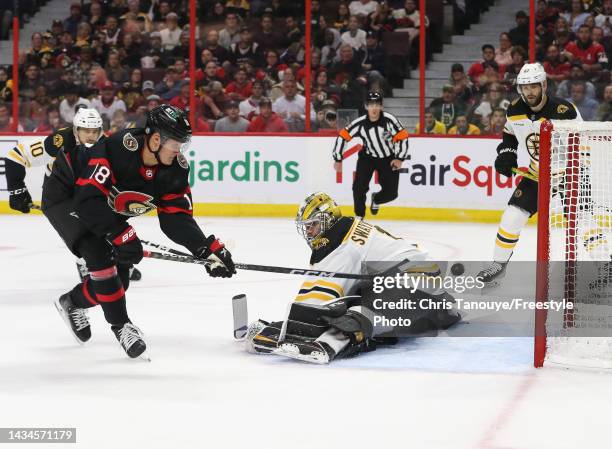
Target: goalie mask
{"x": 87, "y": 126}
{"x": 317, "y": 214}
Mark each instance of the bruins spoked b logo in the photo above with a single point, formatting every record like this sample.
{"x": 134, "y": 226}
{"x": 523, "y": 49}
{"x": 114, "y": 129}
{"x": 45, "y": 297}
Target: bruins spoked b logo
{"x": 532, "y": 142}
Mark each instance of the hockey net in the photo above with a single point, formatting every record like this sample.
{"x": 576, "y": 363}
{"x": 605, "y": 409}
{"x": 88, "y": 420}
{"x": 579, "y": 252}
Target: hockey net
{"x": 574, "y": 221}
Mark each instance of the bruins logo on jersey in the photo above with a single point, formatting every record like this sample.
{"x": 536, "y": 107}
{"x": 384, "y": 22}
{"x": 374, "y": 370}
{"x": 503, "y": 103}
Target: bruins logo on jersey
{"x": 532, "y": 142}
{"x": 562, "y": 109}
{"x": 130, "y": 142}
{"x": 58, "y": 140}
{"x": 129, "y": 203}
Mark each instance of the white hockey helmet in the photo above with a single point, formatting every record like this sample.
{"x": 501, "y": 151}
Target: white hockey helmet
{"x": 531, "y": 74}
{"x": 88, "y": 118}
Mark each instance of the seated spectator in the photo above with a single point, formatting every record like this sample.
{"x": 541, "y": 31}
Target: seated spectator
{"x": 491, "y": 75}
{"x": 586, "y": 106}
{"x": 446, "y": 108}
{"x": 107, "y": 102}
{"x": 267, "y": 37}
{"x": 576, "y": 16}
{"x": 349, "y": 76}
{"x": 171, "y": 34}
{"x": 590, "y": 54}
{"x": 267, "y": 121}
{"x": 37, "y": 118}
{"x": 342, "y": 17}
{"x": 132, "y": 91}
{"x": 52, "y": 122}
{"x": 96, "y": 17}
{"x": 6, "y": 122}
{"x": 291, "y": 107}
{"x": 155, "y": 57}
{"x": 494, "y": 99}
{"x": 292, "y": 29}
{"x": 327, "y": 116}
{"x": 546, "y": 15}
{"x": 323, "y": 90}
{"x": 463, "y": 87}
{"x": 557, "y": 69}
{"x": 604, "y": 19}
{"x": 119, "y": 121}
{"x": 180, "y": 65}
{"x": 134, "y": 13}
{"x": 130, "y": 50}
{"x": 68, "y": 105}
{"x": 72, "y": 22}
{"x": 213, "y": 101}
{"x": 231, "y": 33}
{"x": 240, "y": 88}
{"x": 115, "y": 72}
{"x": 169, "y": 87}
{"x": 220, "y": 53}
{"x": 518, "y": 61}
{"x": 497, "y": 122}
{"x": 83, "y": 35}
{"x": 604, "y": 112}
{"x": 82, "y": 67}
{"x": 503, "y": 55}
{"x": 597, "y": 34}
{"x": 181, "y": 101}
{"x": 519, "y": 35}
{"x": 408, "y": 19}
{"x": 477, "y": 69}
{"x": 111, "y": 31}
{"x": 432, "y": 126}
{"x": 232, "y": 122}
{"x": 245, "y": 49}
{"x": 277, "y": 90}
{"x": 182, "y": 49}
{"x": 210, "y": 73}
{"x": 240, "y": 7}
{"x": 6, "y": 86}
{"x": 153, "y": 101}
{"x": 28, "y": 85}
{"x": 362, "y": 7}
{"x": 250, "y": 106}
{"x": 35, "y": 54}
{"x": 463, "y": 127}
{"x": 577, "y": 74}
{"x": 161, "y": 10}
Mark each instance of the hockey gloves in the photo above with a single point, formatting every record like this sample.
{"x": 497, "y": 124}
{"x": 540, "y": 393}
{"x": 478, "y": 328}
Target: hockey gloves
{"x": 20, "y": 199}
{"x": 506, "y": 160}
{"x": 128, "y": 249}
{"x": 221, "y": 264}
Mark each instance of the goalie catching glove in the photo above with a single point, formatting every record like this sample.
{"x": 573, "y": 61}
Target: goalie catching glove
{"x": 506, "y": 160}
{"x": 221, "y": 264}
{"x": 20, "y": 199}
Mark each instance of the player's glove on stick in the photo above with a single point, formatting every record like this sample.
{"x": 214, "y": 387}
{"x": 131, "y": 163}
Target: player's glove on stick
{"x": 222, "y": 264}
{"x": 506, "y": 160}
{"x": 128, "y": 248}
{"x": 20, "y": 199}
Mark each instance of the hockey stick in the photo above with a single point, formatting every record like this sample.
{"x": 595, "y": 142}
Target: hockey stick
{"x": 35, "y": 206}
{"x": 524, "y": 174}
{"x": 185, "y": 258}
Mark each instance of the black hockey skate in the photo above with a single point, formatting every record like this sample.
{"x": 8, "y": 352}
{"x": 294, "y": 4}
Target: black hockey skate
{"x": 374, "y": 206}
{"x": 131, "y": 339}
{"x": 493, "y": 274}
{"x": 307, "y": 351}
{"x": 74, "y": 317}
{"x": 135, "y": 274}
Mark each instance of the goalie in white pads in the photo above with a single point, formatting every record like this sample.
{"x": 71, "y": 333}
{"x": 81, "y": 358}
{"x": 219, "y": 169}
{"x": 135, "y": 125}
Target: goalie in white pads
{"x": 327, "y": 320}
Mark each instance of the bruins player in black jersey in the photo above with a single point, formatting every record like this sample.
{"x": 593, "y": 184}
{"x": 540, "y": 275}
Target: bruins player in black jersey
{"x": 522, "y": 133}
{"x": 126, "y": 175}
{"x": 86, "y": 130}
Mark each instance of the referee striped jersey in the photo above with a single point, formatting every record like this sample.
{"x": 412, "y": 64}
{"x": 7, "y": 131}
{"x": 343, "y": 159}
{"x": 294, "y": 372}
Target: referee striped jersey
{"x": 383, "y": 138}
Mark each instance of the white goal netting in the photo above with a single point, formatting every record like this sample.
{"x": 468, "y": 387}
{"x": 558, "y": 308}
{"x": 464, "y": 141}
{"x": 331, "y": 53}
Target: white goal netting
{"x": 579, "y": 247}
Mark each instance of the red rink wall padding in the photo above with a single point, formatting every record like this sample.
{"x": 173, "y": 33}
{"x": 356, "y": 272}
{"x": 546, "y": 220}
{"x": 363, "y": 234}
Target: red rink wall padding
{"x": 446, "y": 178}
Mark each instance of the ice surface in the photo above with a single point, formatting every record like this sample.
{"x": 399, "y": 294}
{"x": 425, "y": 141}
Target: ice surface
{"x": 203, "y": 390}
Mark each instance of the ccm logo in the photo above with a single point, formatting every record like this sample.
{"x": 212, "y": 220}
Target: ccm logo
{"x": 313, "y": 273}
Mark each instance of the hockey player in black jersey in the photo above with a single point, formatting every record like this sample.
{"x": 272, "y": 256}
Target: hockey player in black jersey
{"x": 86, "y": 130}
{"x": 88, "y": 200}
{"x": 522, "y": 132}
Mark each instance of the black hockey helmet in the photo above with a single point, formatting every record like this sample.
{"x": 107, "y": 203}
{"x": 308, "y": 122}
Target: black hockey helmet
{"x": 374, "y": 97}
{"x": 170, "y": 122}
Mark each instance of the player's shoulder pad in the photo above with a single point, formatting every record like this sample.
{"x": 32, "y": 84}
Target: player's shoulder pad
{"x": 517, "y": 108}
{"x": 59, "y": 140}
{"x": 131, "y": 139}
{"x": 561, "y": 109}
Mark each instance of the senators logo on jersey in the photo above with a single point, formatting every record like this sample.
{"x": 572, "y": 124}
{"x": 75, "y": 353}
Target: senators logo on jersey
{"x": 130, "y": 203}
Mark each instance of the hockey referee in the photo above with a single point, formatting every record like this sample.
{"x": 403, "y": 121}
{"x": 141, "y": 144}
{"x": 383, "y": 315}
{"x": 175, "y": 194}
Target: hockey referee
{"x": 385, "y": 147}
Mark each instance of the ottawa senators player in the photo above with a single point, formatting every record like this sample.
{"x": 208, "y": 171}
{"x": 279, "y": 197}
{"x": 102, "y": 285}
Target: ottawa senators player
{"x": 88, "y": 199}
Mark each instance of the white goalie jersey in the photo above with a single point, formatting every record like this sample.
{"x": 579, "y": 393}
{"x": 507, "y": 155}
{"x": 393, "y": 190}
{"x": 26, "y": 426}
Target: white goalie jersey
{"x": 345, "y": 251}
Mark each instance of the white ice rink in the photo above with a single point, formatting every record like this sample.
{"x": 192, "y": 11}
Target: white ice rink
{"x": 202, "y": 390}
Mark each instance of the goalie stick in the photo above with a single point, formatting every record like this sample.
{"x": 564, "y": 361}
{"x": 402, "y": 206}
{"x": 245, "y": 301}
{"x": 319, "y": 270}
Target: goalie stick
{"x": 241, "y": 316}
